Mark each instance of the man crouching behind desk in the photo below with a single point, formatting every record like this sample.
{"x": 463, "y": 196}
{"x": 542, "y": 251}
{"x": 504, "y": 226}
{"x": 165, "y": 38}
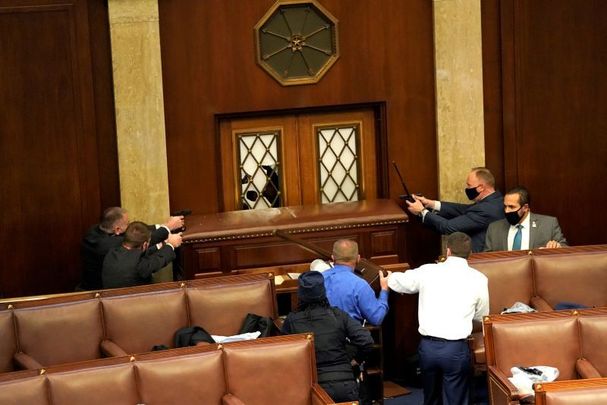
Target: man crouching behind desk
{"x": 451, "y": 296}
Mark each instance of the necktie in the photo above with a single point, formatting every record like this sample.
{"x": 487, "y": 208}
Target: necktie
{"x": 518, "y": 236}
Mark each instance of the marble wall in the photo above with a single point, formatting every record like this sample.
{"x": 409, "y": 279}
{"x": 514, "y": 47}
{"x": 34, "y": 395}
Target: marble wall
{"x": 459, "y": 93}
{"x": 139, "y": 105}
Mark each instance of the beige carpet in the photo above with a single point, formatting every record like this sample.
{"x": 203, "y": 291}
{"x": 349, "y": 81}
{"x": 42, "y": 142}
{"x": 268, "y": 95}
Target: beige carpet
{"x": 392, "y": 390}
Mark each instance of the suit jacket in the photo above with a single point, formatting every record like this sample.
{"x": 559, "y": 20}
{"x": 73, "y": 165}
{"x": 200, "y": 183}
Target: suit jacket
{"x": 124, "y": 267}
{"x": 95, "y": 245}
{"x": 472, "y": 219}
{"x": 543, "y": 229}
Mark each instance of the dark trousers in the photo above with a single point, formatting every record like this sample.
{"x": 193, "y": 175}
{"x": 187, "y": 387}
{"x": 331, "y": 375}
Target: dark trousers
{"x": 341, "y": 391}
{"x": 445, "y": 365}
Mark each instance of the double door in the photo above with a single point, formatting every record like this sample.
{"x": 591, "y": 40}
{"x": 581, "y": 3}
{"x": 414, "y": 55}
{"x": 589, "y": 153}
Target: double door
{"x": 298, "y": 159}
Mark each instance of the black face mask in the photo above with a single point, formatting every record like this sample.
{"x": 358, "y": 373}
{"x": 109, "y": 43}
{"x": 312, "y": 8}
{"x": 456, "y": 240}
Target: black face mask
{"x": 513, "y": 217}
{"x": 472, "y": 193}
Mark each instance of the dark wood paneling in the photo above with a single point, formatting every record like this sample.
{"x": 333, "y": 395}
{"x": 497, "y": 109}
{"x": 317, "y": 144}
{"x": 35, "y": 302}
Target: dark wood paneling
{"x": 554, "y": 107}
{"x": 492, "y": 90}
{"x": 209, "y": 68}
{"x": 49, "y": 173}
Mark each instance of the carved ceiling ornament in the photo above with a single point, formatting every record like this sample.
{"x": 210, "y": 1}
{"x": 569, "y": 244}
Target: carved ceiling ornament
{"x": 296, "y": 42}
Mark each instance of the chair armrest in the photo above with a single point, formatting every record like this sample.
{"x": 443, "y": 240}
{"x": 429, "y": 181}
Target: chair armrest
{"x": 231, "y": 399}
{"x": 585, "y": 369}
{"x": 500, "y": 385}
{"x": 277, "y": 330}
{"x": 320, "y": 396}
{"x": 111, "y": 349}
{"x": 26, "y": 362}
{"x": 540, "y": 304}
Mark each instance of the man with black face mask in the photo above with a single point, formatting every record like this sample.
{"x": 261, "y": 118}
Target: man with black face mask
{"x": 523, "y": 229}
{"x": 472, "y": 219}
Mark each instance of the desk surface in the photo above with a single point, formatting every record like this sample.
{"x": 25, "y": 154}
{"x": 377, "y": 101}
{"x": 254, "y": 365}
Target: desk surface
{"x": 298, "y": 219}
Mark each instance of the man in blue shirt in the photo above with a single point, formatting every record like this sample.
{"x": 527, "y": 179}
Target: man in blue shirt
{"x": 350, "y": 293}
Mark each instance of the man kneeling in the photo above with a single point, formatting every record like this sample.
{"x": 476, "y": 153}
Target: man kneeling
{"x": 134, "y": 262}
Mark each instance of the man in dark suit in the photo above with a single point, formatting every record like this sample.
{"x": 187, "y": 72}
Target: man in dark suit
{"x": 523, "y": 229}
{"x": 135, "y": 260}
{"x": 108, "y": 234}
{"x": 472, "y": 219}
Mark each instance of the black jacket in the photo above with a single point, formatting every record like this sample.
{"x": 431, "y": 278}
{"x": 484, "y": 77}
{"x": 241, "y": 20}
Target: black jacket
{"x": 95, "y": 245}
{"x": 331, "y": 327}
{"x": 124, "y": 267}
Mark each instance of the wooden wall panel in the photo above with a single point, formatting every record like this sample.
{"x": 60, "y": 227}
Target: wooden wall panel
{"x": 386, "y": 56}
{"x": 209, "y": 68}
{"x": 49, "y": 167}
{"x": 554, "y": 107}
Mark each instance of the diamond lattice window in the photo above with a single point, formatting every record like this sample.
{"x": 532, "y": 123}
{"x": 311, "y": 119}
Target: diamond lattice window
{"x": 338, "y": 163}
{"x": 259, "y": 170}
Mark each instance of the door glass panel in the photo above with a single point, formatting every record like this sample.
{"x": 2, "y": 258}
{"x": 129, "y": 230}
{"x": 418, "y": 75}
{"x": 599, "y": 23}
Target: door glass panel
{"x": 338, "y": 163}
{"x": 259, "y": 160}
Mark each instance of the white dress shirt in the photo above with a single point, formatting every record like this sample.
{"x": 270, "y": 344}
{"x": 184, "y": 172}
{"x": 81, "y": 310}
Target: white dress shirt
{"x": 524, "y": 233}
{"x": 451, "y": 295}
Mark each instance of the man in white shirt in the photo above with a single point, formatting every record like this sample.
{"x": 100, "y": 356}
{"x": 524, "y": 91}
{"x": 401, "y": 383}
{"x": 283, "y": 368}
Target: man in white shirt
{"x": 451, "y": 296}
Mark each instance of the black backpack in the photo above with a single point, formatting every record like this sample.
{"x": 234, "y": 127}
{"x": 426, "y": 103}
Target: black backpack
{"x": 189, "y": 336}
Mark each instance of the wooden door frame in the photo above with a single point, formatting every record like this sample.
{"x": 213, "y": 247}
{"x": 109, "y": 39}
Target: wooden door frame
{"x": 381, "y": 139}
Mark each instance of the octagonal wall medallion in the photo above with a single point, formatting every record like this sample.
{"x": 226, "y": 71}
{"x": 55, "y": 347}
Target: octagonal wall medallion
{"x": 297, "y": 42}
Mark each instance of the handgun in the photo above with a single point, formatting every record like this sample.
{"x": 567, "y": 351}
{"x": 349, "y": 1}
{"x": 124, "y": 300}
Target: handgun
{"x": 180, "y": 213}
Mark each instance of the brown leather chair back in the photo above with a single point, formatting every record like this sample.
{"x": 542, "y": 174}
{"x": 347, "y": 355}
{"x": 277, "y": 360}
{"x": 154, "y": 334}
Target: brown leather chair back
{"x": 542, "y": 342}
{"x": 220, "y": 307}
{"x": 25, "y": 390}
{"x": 137, "y": 322}
{"x": 575, "y": 392}
{"x": 593, "y": 331}
{"x": 572, "y": 277}
{"x": 256, "y": 374}
{"x": 60, "y": 333}
{"x": 8, "y": 343}
{"x": 194, "y": 379}
{"x": 580, "y": 396}
{"x": 114, "y": 384}
{"x": 510, "y": 280}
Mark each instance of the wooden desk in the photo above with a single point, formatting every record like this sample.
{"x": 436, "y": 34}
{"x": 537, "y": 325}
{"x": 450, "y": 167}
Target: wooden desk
{"x": 240, "y": 240}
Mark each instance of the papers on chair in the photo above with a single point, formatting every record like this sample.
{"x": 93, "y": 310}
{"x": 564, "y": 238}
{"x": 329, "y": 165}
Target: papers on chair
{"x": 236, "y": 338}
{"x": 523, "y": 378}
{"x": 294, "y": 276}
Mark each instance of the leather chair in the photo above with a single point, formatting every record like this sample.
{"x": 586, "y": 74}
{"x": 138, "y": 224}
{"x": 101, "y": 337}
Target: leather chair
{"x": 197, "y": 378}
{"x": 577, "y": 392}
{"x": 570, "y": 276}
{"x": 109, "y": 384}
{"x": 8, "y": 341}
{"x": 276, "y": 370}
{"x": 58, "y": 333}
{"x": 593, "y": 330}
{"x": 220, "y": 305}
{"x": 526, "y": 341}
{"x": 24, "y": 387}
{"x": 135, "y": 323}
